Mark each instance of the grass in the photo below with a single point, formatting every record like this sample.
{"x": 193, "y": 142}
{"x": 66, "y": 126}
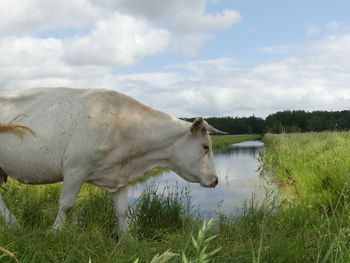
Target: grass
{"x": 314, "y": 168}
{"x": 155, "y": 214}
{"x": 160, "y": 222}
{"x": 311, "y": 224}
{"x": 272, "y": 232}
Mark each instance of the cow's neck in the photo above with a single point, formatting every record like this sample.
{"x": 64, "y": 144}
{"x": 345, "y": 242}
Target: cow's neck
{"x": 171, "y": 132}
{"x": 162, "y": 130}
{"x": 156, "y": 149}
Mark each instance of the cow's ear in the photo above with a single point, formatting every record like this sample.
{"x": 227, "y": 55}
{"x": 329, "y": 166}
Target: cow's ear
{"x": 197, "y": 125}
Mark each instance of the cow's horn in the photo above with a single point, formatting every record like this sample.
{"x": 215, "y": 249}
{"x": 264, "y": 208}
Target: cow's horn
{"x": 213, "y": 130}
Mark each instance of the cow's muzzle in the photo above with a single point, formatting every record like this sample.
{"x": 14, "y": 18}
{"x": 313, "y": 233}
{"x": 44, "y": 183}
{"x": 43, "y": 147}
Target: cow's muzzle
{"x": 213, "y": 184}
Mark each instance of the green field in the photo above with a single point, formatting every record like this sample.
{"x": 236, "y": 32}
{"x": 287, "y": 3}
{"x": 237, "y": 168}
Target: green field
{"x": 310, "y": 222}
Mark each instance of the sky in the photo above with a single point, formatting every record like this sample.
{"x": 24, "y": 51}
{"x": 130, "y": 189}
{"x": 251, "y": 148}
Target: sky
{"x": 184, "y": 57}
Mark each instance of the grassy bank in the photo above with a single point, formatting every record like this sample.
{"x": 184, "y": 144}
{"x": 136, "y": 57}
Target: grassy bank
{"x": 313, "y": 174}
{"x": 221, "y": 143}
{"x": 313, "y": 226}
{"x": 312, "y": 167}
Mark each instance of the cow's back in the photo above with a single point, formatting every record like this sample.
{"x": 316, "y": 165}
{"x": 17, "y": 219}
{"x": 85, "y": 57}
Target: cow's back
{"x": 56, "y": 116}
{"x": 83, "y": 128}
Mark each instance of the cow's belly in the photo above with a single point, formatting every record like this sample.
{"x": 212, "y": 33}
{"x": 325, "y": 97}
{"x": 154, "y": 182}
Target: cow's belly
{"x": 33, "y": 174}
{"x": 29, "y": 164}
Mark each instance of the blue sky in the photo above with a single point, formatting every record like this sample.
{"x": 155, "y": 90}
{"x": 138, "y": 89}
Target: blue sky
{"x": 272, "y": 23}
{"x": 187, "y": 58}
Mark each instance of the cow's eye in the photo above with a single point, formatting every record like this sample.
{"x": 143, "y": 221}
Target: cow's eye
{"x": 205, "y": 147}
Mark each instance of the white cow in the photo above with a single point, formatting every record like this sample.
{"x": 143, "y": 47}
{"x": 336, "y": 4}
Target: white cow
{"x": 99, "y": 137}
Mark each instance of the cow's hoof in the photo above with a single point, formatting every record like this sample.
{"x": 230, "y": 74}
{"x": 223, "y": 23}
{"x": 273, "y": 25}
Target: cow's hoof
{"x": 14, "y": 224}
{"x": 124, "y": 235}
{"x": 11, "y": 222}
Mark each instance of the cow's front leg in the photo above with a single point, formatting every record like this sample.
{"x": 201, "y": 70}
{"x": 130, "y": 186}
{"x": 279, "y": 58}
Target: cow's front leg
{"x": 70, "y": 189}
{"x": 120, "y": 202}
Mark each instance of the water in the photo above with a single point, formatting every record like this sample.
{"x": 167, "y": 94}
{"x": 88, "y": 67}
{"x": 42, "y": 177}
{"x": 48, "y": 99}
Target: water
{"x": 238, "y": 180}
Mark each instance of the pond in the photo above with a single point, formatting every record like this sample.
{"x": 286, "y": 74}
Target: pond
{"x": 239, "y": 179}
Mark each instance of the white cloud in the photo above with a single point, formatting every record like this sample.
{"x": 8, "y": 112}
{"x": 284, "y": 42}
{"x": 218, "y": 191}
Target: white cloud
{"x": 150, "y": 9}
{"x": 27, "y": 58}
{"x": 30, "y": 16}
{"x": 319, "y": 79}
{"x": 315, "y": 77}
{"x": 332, "y": 52}
{"x": 79, "y": 42}
{"x": 193, "y": 26}
{"x": 114, "y": 33}
{"x": 117, "y": 41}
{"x": 30, "y": 62}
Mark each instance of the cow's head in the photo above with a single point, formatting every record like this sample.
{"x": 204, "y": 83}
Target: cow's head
{"x": 192, "y": 155}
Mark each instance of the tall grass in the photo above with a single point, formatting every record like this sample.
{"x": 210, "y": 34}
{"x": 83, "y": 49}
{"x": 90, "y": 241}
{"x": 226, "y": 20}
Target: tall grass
{"x": 274, "y": 231}
{"x": 313, "y": 172}
{"x": 313, "y": 168}
{"x": 159, "y": 222}
{"x": 156, "y": 214}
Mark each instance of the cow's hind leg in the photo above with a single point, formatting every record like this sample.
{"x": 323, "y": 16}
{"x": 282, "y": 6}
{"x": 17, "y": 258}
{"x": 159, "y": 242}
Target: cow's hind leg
{"x": 120, "y": 202}
{"x": 10, "y": 220}
{"x": 70, "y": 189}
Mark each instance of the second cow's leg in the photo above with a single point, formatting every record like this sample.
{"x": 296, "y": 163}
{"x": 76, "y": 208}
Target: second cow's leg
{"x": 120, "y": 202}
{"x": 70, "y": 189}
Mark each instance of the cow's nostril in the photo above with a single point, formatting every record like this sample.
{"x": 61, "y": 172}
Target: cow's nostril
{"x": 215, "y": 182}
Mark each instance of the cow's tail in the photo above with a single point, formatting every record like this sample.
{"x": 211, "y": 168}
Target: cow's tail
{"x": 19, "y": 130}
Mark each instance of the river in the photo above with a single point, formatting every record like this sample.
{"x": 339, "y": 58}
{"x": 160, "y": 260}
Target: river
{"x": 239, "y": 180}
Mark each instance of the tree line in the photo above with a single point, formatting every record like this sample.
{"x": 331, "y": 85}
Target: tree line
{"x": 284, "y": 122}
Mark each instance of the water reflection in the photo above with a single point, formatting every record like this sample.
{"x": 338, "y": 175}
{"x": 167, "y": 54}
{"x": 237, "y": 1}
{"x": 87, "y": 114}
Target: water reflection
{"x": 251, "y": 148}
{"x": 238, "y": 180}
